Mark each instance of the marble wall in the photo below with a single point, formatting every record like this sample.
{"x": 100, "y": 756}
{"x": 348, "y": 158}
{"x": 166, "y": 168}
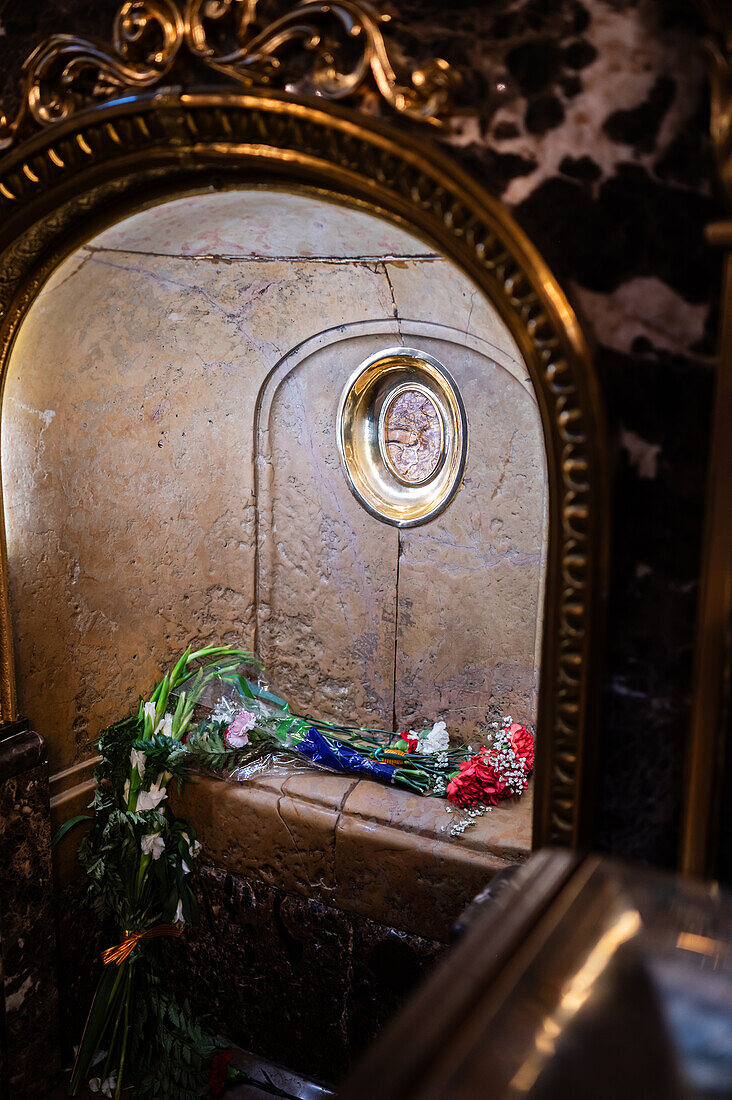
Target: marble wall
{"x": 29, "y": 1026}
{"x": 589, "y": 119}
{"x": 171, "y": 475}
{"x": 437, "y": 620}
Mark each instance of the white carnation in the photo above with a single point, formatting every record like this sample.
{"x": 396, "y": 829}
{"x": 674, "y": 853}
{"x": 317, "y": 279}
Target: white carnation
{"x": 436, "y": 740}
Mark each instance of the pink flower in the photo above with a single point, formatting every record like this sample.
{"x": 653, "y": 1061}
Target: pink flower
{"x": 236, "y": 735}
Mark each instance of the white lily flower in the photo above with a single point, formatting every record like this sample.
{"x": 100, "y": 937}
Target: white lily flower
{"x": 138, "y": 760}
{"x": 193, "y": 848}
{"x": 150, "y": 800}
{"x": 105, "y": 1087}
{"x": 152, "y": 845}
{"x": 186, "y": 868}
{"x": 179, "y": 918}
{"x": 150, "y": 712}
{"x": 165, "y": 725}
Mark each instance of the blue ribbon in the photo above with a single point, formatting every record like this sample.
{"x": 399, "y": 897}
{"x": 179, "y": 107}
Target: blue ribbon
{"x": 341, "y": 758}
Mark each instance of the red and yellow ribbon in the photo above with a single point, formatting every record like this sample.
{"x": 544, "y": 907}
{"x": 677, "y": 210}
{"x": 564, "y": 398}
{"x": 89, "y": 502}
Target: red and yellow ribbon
{"x": 129, "y": 943}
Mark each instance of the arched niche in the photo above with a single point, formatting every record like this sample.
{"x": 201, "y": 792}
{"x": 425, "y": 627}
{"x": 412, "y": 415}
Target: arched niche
{"x": 90, "y": 170}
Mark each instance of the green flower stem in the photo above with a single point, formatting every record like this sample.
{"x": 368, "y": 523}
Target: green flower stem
{"x": 145, "y": 861}
{"x": 407, "y": 780}
{"x": 135, "y": 785}
{"x": 223, "y": 651}
{"x": 125, "y": 1033}
{"x": 100, "y": 1017}
{"x": 109, "y": 1062}
{"x": 318, "y": 723}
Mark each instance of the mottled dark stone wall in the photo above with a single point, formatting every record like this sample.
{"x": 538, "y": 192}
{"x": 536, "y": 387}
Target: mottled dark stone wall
{"x": 29, "y": 1064}
{"x": 588, "y": 118}
{"x": 81, "y": 940}
{"x": 300, "y": 983}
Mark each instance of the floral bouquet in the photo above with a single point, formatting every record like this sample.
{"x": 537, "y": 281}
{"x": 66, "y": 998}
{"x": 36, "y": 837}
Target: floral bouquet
{"x": 244, "y": 717}
{"x": 138, "y": 856}
{"x": 215, "y": 710}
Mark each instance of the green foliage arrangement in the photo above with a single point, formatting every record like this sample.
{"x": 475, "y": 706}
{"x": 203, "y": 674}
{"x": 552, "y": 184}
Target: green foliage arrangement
{"x": 138, "y": 856}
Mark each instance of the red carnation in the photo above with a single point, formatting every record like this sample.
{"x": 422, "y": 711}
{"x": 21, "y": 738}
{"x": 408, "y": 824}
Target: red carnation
{"x": 412, "y": 743}
{"x": 477, "y": 783}
{"x": 219, "y": 1072}
{"x": 522, "y": 744}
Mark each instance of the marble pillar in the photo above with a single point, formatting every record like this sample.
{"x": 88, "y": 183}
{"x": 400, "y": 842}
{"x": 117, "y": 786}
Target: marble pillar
{"x": 29, "y": 1028}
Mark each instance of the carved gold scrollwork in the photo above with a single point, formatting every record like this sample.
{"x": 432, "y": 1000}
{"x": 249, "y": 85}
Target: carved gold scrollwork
{"x": 328, "y": 30}
{"x": 65, "y": 73}
{"x": 342, "y": 40}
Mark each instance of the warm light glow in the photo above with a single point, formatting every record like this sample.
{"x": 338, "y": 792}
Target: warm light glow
{"x": 574, "y": 994}
{"x": 701, "y": 945}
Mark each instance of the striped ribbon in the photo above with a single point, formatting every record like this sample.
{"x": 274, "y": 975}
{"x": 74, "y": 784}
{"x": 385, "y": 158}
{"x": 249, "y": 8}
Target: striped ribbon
{"x": 129, "y": 943}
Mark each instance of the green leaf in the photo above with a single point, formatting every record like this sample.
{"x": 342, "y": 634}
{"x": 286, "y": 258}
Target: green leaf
{"x": 103, "y": 1013}
{"x": 68, "y": 826}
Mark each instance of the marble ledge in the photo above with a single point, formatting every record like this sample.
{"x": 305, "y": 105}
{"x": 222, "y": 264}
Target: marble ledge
{"x": 358, "y": 846}
{"x": 361, "y": 847}
{"x": 72, "y": 791}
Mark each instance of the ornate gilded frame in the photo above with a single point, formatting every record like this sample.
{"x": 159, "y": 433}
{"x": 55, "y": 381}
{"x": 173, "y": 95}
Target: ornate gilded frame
{"x": 707, "y": 757}
{"x": 95, "y": 163}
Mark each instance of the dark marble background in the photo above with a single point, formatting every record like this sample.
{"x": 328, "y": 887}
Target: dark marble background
{"x": 28, "y": 990}
{"x": 300, "y": 983}
{"x": 588, "y": 118}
